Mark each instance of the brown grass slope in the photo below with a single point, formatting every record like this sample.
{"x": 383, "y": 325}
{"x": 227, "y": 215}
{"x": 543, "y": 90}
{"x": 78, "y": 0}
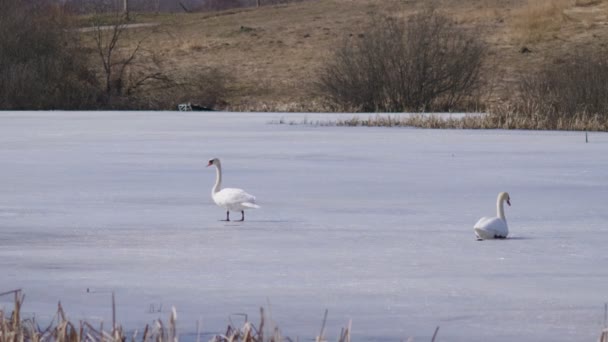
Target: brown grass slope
{"x": 274, "y": 53}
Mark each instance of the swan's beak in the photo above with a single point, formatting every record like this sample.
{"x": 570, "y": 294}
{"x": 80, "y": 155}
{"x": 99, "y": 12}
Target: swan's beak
{"x": 210, "y": 163}
{"x": 509, "y": 202}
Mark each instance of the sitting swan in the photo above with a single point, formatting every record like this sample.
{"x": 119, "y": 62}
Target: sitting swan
{"x": 229, "y": 198}
{"x": 494, "y": 227}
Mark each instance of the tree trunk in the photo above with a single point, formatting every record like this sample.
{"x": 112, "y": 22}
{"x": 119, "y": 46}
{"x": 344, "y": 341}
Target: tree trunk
{"x": 126, "y": 9}
{"x": 257, "y": 3}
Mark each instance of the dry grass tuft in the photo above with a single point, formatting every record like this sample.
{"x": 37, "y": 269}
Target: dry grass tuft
{"x": 14, "y": 328}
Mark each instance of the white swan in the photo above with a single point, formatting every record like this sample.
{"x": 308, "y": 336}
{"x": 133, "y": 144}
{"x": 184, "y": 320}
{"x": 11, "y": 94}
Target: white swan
{"x": 494, "y": 227}
{"x": 230, "y": 199}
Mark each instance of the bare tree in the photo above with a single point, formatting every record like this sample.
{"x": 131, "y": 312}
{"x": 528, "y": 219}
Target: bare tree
{"x": 122, "y": 73}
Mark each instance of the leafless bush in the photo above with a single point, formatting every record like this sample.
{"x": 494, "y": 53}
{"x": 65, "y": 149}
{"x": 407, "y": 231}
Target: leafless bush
{"x": 565, "y": 92}
{"x": 424, "y": 63}
{"x": 42, "y": 64}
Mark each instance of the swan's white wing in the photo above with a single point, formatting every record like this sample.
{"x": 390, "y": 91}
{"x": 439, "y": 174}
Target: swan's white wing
{"x": 491, "y": 227}
{"x": 234, "y": 199}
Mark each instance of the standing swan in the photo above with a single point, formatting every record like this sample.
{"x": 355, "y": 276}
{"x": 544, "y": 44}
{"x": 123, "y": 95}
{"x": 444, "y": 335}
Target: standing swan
{"x": 494, "y": 227}
{"x": 230, "y": 199}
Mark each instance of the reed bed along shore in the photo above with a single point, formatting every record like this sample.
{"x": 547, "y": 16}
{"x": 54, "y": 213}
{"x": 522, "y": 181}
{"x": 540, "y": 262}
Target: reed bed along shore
{"x": 495, "y": 120}
{"x": 15, "y": 328}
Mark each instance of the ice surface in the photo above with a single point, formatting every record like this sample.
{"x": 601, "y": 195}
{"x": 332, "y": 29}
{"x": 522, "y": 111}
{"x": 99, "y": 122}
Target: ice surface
{"x": 374, "y": 224}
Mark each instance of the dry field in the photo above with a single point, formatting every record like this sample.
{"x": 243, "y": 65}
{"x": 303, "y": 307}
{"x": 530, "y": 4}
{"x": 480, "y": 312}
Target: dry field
{"x": 273, "y": 53}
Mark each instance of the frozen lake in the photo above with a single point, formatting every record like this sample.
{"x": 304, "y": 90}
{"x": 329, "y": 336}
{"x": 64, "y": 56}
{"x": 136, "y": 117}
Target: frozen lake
{"x": 374, "y": 224}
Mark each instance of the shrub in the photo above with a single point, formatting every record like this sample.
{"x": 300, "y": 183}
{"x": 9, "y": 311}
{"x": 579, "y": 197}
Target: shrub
{"x": 42, "y": 65}
{"x": 424, "y": 63}
{"x": 569, "y": 90}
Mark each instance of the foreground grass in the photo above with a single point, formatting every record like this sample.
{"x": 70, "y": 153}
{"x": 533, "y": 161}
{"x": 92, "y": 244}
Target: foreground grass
{"x": 14, "y": 328}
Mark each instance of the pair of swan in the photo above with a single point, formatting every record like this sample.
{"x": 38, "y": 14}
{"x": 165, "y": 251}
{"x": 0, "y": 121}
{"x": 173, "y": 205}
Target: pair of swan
{"x": 238, "y": 200}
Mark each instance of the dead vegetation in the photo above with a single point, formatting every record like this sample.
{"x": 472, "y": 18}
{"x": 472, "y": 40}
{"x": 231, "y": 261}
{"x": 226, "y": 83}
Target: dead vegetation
{"x": 503, "y": 118}
{"x": 565, "y": 92}
{"x": 424, "y": 63}
{"x": 15, "y": 328}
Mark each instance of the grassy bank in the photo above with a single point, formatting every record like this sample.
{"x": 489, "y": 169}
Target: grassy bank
{"x": 275, "y": 53}
{"x": 272, "y": 58}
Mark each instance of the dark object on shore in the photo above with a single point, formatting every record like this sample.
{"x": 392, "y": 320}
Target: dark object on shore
{"x": 189, "y": 107}
{"x": 525, "y": 50}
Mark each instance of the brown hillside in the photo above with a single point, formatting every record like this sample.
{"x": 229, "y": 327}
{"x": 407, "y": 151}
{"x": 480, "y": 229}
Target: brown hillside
{"x": 273, "y": 53}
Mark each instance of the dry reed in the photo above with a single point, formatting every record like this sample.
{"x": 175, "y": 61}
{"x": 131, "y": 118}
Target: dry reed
{"x": 15, "y": 328}
{"x": 504, "y": 118}
{"x": 604, "y": 336}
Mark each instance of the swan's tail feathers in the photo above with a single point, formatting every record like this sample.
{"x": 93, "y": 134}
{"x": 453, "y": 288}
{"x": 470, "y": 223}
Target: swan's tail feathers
{"x": 250, "y": 205}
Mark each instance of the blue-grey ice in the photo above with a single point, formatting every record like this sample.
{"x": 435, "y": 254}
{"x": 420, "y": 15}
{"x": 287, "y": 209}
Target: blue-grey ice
{"x": 374, "y": 224}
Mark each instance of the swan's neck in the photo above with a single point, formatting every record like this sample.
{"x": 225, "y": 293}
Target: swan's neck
{"x": 218, "y": 179}
{"x": 500, "y": 210}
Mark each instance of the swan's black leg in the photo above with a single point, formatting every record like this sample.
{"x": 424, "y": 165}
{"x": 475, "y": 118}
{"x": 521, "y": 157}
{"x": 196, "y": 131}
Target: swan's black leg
{"x": 227, "y": 216}
{"x": 242, "y": 216}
